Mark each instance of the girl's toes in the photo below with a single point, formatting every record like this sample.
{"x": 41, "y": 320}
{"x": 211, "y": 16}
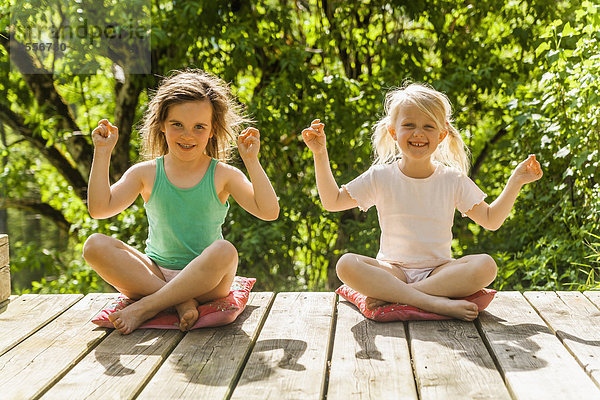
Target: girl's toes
{"x": 114, "y": 317}
{"x": 183, "y": 326}
{"x": 188, "y": 320}
{"x": 372, "y": 303}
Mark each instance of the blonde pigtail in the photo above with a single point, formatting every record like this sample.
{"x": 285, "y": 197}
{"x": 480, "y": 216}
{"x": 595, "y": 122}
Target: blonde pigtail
{"x": 453, "y": 151}
{"x": 384, "y": 145}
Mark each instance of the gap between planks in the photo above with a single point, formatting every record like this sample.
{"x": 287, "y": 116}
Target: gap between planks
{"x": 532, "y": 360}
{"x": 574, "y": 319}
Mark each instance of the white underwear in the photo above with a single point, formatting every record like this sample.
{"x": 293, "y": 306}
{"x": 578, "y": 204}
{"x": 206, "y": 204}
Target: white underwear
{"x": 418, "y": 270}
{"x": 415, "y": 274}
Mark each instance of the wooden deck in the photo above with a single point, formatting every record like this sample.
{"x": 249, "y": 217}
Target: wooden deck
{"x": 537, "y": 345}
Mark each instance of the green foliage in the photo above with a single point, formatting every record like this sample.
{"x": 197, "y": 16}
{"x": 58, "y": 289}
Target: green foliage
{"x": 557, "y": 117}
{"x": 36, "y": 270}
{"x": 591, "y": 266}
{"x": 521, "y": 75}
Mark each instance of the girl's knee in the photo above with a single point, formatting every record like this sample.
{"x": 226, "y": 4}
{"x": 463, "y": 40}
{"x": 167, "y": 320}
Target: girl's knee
{"x": 226, "y": 251}
{"x": 345, "y": 266}
{"x": 487, "y": 267}
{"x": 95, "y": 244}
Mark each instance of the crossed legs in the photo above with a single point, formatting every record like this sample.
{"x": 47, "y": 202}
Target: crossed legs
{"x": 381, "y": 282}
{"x": 207, "y": 277}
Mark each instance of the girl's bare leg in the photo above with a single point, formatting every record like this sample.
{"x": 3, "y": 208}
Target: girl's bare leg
{"x": 207, "y": 277}
{"x": 375, "y": 280}
{"x": 128, "y": 270}
{"x": 372, "y": 302}
{"x": 459, "y": 278}
{"x": 131, "y": 272}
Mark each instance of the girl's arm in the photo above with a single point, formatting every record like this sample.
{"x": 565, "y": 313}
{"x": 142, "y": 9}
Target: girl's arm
{"x": 256, "y": 196}
{"x": 105, "y": 201}
{"x": 492, "y": 216}
{"x": 332, "y": 197}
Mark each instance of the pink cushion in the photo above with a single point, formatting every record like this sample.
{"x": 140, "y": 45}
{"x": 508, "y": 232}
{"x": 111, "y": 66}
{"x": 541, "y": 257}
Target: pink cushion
{"x": 404, "y": 312}
{"x": 214, "y": 313}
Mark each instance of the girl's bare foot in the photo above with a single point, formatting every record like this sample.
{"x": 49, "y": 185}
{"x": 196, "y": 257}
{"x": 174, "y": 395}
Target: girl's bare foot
{"x": 131, "y": 317}
{"x": 188, "y": 314}
{"x": 372, "y": 302}
{"x": 459, "y": 309}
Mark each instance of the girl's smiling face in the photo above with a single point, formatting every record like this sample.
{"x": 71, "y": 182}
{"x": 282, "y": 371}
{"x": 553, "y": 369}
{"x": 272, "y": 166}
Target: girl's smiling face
{"x": 416, "y": 133}
{"x": 187, "y": 128}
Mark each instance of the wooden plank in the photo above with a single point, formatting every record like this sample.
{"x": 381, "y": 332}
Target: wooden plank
{"x": 4, "y": 269}
{"x": 4, "y": 283}
{"x": 575, "y": 320}
{"x": 118, "y": 367}
{"x": 594, "y": 297}
{"x": 452, "y": 362}
{"x": 207, "y": 362}
{"x": 3, "y": 250}
{"x": 4, "y": 304}
{"x": 38, "y": 362}
{"x": 370, "y": 360}
{"x": 290, "y": 356}
{"x": 534, "y": 363}
{"x": 24, "y": 315}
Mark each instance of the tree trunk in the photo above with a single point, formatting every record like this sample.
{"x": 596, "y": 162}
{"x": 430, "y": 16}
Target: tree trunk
{"x": 484, "y": 152}
{"x": 128, "y": 95}
{"x": 51, "y": 102}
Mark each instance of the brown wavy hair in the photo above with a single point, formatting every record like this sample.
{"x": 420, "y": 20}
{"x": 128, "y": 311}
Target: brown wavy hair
{"x": 183, "y": 86}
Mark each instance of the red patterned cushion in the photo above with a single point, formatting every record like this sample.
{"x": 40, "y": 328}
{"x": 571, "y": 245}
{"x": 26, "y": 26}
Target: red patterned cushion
{"x": 214, "y": 313}
{"x": 404, "y": 312}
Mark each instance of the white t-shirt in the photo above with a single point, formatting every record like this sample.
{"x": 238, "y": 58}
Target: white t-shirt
{"x": 415, "y": 215}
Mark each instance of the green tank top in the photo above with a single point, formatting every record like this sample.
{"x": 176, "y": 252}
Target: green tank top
{"x": 182, "y": 222}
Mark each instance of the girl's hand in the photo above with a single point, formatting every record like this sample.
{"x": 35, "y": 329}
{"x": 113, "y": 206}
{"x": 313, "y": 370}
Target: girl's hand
{"x": 249, "y": 143}
{"x": 314, "y": 137}
{"x": 528, "y": 171}
{"x": 105, "y": 135}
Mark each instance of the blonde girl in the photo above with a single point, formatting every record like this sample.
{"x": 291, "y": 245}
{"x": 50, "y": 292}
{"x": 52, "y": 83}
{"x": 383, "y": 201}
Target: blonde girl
{"x": 418, "y": 179}
{"x": 185, "y": 184}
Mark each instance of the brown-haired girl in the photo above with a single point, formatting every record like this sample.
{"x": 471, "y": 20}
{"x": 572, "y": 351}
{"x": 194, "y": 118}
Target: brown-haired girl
{"x": 185, "y": 183}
